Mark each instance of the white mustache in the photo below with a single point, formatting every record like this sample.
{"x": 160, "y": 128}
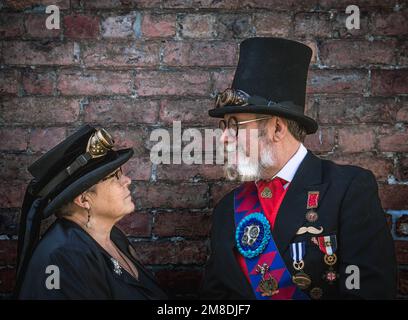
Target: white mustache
{"x": 311, "y": 230}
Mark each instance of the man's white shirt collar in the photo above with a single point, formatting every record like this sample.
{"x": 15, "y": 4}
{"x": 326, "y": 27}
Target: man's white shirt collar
{"x": 289, "y": 169}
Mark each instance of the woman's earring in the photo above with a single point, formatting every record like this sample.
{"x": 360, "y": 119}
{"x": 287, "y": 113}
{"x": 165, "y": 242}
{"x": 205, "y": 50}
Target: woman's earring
{"x": 88, "y": 223}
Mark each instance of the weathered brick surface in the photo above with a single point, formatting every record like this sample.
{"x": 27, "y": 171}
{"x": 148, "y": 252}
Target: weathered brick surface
{"x": 133, "y": 66}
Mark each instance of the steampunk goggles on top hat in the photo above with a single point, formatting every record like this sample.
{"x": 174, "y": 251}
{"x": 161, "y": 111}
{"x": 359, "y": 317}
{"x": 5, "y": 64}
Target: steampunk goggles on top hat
{"x": 98, "y": 146}
{"x": 234, "y": 97}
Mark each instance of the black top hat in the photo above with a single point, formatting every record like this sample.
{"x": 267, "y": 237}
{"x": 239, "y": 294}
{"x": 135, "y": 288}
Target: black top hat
{"x": 270, "y": 79}
{"x": 64, "y": 172}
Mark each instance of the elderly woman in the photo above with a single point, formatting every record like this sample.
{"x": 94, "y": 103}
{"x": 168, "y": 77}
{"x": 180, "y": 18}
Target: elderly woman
{"x": 82, "y": 255}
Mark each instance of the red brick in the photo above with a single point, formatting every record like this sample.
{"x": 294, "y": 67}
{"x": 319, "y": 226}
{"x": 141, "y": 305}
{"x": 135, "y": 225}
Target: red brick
{"x": 8, "y": 252}
{"x": 14, "y": 167}
{"x": 180, "y": 281}
{"x": 81, "y": 26}
{"x": 394, "y": 197}
{"x": 7, "y": 280}
{"x": 191, "y": 173}
{"x": 337, "y": 81}
{"x": 36, "y": 28}
{"x": 402, "y": 53}
{"x": 321, "y": 141}
{"x": 356, "y": 110}
{"x": 138, "y": 168}
{"x": 339, "y": 53}
{"x": 219, "y": 190}
{"x": 119, "y": 26}
{"x": 12, "y": 193}
{"x": 39, "y": 53}
{"x": 120, "y": 54}
{"x": 130, "y": 138}
{"x": 233, "y": 26}
{"x": 401, "y": 250}
{"x": 11, "y": 25}
{"x": 402, "y": 169}
{"x": 151, "y": 83}
{"x": 13, "y": 139}
{"x": 9, "y": 80}
{"x": 389, "y": 82}
{"x": 393, "y": 140}
{"x": 182, "y": 224}
{"x": 187, "y": 111}
{"x": 273, "y": 24}
{"x": 179, "y": 252}
{"x": 313, "y": 25}
{"x": 163, "y": 195}
{"x": 37, "y": 82}
{"x": 126, "y": 111}
{"x": 356, "y": 139}
{"x": 95, "y": 82}
{"x": 381, "y": 167}
{"x": 198, "y": 53}
{"x": 137, "y": 224}
{"x": 222, "y": 79}
{"x": 390, "y": 23}
{"x": 402, "y": 114}
{"x": 197, "y": 26}
{"x": 39, "y": 110}
{"x": 42, "y": 140}
{"x": 403, "y": 282}
{"x": 158, "y": 25}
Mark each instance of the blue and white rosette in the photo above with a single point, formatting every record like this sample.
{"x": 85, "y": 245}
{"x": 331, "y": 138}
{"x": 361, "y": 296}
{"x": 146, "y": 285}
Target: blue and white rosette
{"x": 262, "y": 240}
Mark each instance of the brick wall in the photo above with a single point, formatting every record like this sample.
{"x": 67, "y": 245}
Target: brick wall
{"x": 132, "y": 66}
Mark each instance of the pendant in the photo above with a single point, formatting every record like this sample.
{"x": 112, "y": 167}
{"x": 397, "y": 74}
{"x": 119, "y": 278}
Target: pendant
{"x": 266, "y": 193}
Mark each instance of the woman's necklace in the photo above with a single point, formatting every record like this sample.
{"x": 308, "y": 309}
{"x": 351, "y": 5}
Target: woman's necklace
{"x": 129, "y": 268}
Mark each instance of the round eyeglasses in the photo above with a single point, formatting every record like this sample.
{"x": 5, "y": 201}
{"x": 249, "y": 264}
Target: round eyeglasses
{"x": 233, "y": 124}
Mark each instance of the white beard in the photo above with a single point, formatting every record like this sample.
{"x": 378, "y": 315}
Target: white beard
{"x": 249, "y": 169}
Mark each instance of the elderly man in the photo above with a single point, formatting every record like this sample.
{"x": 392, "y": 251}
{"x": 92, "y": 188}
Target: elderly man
{"x": 298, "y": 227}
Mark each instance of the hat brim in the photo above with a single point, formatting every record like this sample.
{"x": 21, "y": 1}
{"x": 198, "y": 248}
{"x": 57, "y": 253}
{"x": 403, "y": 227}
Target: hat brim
{"x": 308, "y": 123}
{"x": 86, "y": 181}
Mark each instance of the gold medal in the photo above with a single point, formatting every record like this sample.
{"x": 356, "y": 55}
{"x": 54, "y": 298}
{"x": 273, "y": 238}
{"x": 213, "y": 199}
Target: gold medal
{"x": 330, "y": 259}
{"x": 266, "y": 193}
{"x": 302, "y": 280}
{"x": 268, "y": 286}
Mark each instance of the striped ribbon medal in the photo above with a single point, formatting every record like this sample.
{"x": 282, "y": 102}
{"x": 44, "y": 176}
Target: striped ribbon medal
{"x": 297, "y": 252}
{"x": 328, "y": 245}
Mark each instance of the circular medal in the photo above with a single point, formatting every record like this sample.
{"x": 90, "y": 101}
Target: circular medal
{"x": 330, "y": 276}
{"x": 252, "y": 235}
{"x": 302, "y": 280}
{"x": 330, "y": 259}
{"x": 312, "y": 216}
